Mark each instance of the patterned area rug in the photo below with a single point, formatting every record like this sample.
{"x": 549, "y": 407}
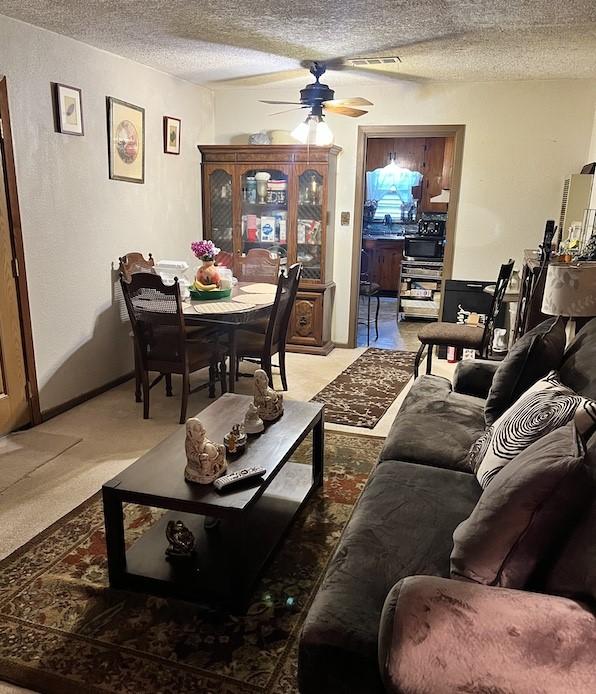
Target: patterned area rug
{"x": 361, "y": 394}
{"x": 63, "y": 631}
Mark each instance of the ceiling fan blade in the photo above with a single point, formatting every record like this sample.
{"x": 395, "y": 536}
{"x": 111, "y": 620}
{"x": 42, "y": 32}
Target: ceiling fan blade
{"x": 352, "y": 101}
{"x": 290, "y": 103}
{"x": 288, "y": 110}
{"x": 264, "y": 78}
{"x": 346, "y": 111}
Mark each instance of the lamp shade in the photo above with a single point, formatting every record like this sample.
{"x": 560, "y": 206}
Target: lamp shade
{"x": 570, "y": 290}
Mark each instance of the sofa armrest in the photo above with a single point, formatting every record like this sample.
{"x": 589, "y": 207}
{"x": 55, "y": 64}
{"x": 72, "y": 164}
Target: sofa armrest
{"x": 441, "y": 636}
{"x": 474, "y": 377}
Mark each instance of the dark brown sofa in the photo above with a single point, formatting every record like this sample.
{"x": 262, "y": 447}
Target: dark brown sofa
{"x": 387, "y": 617}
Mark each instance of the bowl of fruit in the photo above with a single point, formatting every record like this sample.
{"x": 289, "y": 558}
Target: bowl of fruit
{"x": 208, "y": 292}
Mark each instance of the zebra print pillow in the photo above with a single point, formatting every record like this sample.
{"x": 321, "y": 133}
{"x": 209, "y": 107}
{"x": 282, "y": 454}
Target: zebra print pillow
{"x": 544, "y": 407}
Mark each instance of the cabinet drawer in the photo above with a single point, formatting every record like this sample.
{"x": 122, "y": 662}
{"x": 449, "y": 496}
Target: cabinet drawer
{"x": 306, "y": 323}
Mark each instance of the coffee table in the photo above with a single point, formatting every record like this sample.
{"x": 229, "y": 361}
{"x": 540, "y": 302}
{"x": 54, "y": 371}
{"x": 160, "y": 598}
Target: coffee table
{"x": 229, "y": 555}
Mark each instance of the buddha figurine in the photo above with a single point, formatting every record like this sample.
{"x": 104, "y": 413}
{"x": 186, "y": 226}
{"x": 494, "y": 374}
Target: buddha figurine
{"x": 182, "y": 541}
{"x": 253, "y": 424}
{"x": 269, "y": 403}
{"x": 206, "y": 460}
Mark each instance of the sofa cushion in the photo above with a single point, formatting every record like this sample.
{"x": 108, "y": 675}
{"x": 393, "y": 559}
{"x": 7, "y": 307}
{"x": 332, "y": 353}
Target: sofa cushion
{"x": 544, "y": 407}
{"x": 578, "y": 368}
{"x": 435, "y": 426}
{"x": 402, "y": 525}
{"x": 531, "y": 502}
{"x": 571, "y": 570}
{"x": 532, "y": 357}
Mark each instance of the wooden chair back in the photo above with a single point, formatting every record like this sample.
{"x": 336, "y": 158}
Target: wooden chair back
{"x": 225, "y": 259}
{"x": 132, "y": 263}
{"x": 364, "y": 276}
{"x": 258, "y": 266}
{"x": 155, "y": 312}
{"x": 496, "y": 303}
{"x": 279, "y": 319}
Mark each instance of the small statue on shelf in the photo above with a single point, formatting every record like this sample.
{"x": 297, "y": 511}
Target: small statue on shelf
{"x": 269, "y": 403}
{"x": 253, "y": 424}
{"x": 182, "y": 541}
{"x": 206, "y": 460}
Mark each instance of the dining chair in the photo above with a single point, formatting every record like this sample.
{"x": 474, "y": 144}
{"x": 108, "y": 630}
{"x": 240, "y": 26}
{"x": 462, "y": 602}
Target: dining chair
{"x": 263, "y": 344}
{"x": 369, "y": 289}
{"x": 225, "y": 259}
{"x": 464, "y": 336}
{"x": 161, "y": 342}
{"x": 131, "y": 263}
{"x": 258, "y": 266}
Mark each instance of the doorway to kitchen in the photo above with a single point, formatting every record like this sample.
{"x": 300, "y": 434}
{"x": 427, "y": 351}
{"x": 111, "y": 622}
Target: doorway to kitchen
{"x": 407, "y": 188}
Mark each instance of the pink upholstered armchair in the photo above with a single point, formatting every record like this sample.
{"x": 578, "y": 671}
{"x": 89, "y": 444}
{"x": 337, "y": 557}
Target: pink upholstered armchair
{"x": 440, "y": 636}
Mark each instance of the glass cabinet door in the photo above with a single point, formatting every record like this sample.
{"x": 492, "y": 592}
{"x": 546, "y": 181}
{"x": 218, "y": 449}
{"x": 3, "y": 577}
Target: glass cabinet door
{"x": 264, "y": 210}
{"x": 219, "y": 226}
{"x": 310, "y": 231}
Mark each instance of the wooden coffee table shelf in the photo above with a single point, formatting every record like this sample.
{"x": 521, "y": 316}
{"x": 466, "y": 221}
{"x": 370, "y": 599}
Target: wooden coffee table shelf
{"x": 229, "y": 557}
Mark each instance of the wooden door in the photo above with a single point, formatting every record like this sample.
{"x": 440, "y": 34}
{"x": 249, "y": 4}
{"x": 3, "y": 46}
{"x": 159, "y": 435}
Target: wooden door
{"x": 14, "y": 404}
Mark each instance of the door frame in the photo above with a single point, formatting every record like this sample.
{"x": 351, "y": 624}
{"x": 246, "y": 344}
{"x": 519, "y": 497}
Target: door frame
{"x": 14, "y": 221}
{"x": 366, "y": 132}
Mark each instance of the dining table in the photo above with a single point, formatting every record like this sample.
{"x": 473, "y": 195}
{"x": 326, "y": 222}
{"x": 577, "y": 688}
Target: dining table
{"x": 248, "y": 302}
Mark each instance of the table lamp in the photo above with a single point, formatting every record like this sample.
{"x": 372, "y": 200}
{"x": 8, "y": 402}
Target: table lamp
{"x": 570, "y": 291}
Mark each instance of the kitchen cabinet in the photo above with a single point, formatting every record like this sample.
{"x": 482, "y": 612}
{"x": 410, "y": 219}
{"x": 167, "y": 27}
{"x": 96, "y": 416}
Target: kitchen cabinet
{"x": 384, "y": 262}
{"x": 291, "y": 214}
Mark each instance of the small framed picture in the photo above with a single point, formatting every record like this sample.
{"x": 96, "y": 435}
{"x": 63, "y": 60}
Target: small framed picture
{"x": 69, "y": 110}
{"x": 171, "y": 135}
{"x": 126, "y": 141}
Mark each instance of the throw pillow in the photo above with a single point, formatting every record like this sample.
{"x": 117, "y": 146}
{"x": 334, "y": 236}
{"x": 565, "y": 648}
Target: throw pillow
{"x": 544, "y": 407}
{"x": 525, "y": 508}
{"x": 574, "y": 571}
{"x": 533, "y": 356}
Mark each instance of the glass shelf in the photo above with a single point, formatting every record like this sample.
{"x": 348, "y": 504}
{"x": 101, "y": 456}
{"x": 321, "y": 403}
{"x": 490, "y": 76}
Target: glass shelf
{"x": 309, "y": 232}
{"x": 264, "y": 210}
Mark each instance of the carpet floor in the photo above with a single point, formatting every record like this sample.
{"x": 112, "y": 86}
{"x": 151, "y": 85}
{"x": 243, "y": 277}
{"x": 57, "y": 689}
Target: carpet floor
{"x": 362, "y": 393}
{"x": 63, "y": 630}
{"x": 22, "y": 452}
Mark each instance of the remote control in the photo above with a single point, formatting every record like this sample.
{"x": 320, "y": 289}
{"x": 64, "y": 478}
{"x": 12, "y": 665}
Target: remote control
{"x": 222, "y": 483}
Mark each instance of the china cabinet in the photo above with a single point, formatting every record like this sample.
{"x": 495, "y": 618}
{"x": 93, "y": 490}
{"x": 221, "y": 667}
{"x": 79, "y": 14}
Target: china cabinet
{"x": 282, "y": 198}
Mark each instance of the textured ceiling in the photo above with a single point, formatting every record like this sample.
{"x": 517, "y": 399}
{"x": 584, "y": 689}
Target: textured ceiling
{"x": 213, "y": 42}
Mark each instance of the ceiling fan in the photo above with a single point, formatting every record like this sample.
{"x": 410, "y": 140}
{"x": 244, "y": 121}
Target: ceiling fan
{"x": 319, "y": 98}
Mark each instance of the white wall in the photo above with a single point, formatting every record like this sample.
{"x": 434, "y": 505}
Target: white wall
{"x": 521, "y": 139}
{"x": 76, "y": 221}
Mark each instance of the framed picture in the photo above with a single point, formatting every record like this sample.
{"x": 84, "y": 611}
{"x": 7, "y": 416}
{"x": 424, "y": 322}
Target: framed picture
{"x": 126, "y": 141}
{"x": 171, "y": 135}
{"x": 68, "y": 109}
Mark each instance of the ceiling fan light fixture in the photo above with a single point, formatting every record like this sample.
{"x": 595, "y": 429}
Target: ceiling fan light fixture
{"x": 313, "y": 131}
{"x": 300, "y": 132}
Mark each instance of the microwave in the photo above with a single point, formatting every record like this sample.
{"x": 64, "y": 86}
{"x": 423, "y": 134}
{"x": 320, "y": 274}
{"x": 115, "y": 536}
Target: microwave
{"x": 424, "y": 248}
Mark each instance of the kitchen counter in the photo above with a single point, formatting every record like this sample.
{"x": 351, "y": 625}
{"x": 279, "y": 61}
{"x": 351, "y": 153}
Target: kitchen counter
{"x": 396, "y": 232}
{"x": 385, "y": 254}
{"x": 383, "y": 237}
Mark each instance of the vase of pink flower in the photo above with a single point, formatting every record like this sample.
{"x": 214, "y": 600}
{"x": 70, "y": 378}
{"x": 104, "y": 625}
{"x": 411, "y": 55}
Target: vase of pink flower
{"x": 206, "y": 251}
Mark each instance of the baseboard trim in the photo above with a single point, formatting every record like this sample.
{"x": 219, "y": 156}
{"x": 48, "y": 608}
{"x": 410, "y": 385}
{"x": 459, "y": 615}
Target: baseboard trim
{"x": 79, "y": 399}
